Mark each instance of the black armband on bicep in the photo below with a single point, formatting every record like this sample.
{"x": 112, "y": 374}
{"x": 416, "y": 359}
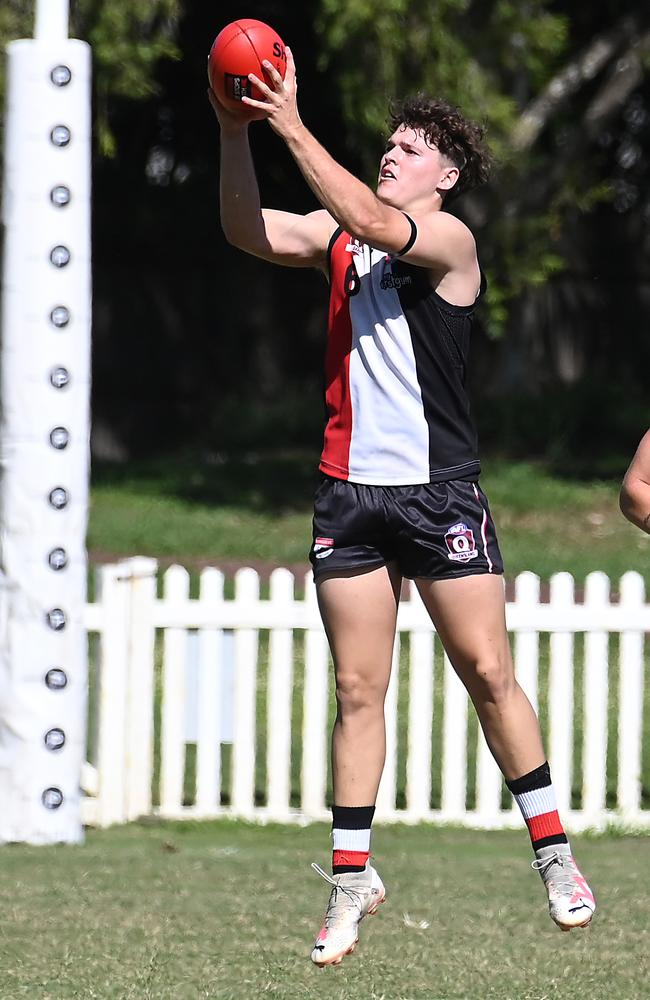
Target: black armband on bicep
{"x": 412, "y": 238}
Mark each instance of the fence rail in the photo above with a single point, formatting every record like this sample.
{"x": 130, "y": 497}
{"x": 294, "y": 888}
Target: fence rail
{"x": 215, "y": 705}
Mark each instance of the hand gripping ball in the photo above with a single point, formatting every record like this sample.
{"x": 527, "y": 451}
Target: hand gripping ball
{"x": 237, "y": 51}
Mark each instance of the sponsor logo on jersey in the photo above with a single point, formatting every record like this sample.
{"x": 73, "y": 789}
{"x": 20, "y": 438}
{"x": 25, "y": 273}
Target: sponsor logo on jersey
{"x": 460, "y": 543}
{"x": 391, "y": 280}
{"x": 354, "y": 246}
{"x": 323, "y": 547}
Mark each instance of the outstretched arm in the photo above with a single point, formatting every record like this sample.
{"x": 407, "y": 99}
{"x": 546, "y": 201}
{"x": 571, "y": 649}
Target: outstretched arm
{"x": 443, "y": 243}
{"x": 280, "y": 237}
{"x": 635, "y": 491}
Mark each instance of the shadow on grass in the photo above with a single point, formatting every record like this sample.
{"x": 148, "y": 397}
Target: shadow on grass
{"x": 259, "y": 481}
{"x": 284, "y": 480}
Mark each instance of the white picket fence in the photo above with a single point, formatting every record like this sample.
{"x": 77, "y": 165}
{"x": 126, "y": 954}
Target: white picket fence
{"x": 218, "y": 664}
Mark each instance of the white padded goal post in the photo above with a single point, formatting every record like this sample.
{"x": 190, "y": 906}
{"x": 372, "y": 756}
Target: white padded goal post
{"x": 44, "y": 433}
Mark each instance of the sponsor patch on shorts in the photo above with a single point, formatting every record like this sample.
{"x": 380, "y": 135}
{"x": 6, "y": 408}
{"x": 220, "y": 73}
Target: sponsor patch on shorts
{"x": 323, "y": 547}
{"x": 460, "y": 543}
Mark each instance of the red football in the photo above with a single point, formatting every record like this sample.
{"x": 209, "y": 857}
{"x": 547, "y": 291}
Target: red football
{"x": 237, "y": 51}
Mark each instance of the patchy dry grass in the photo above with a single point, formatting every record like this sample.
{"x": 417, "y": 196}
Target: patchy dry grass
{"x": 226, "y": 910}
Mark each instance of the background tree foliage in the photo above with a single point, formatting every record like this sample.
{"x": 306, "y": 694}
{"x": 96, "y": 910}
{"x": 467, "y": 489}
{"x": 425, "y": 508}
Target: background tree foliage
{"x": 487, "y": 58}
{"x": 197, "y": 343}
{"x": 127, "y": 40}
{"x": 529, "y": 73}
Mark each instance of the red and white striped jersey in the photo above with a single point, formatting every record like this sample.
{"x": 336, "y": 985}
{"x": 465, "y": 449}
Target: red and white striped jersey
{"x": 398, "y": 412}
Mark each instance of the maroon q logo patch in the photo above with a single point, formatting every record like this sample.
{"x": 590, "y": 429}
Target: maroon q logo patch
{"x": 460, "y": 543}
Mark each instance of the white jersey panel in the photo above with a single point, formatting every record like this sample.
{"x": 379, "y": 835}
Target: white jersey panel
{"x": 390, "y": 437}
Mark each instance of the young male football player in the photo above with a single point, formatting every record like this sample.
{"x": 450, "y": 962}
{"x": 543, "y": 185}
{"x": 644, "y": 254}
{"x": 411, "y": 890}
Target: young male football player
{"x": 399, "y": 495}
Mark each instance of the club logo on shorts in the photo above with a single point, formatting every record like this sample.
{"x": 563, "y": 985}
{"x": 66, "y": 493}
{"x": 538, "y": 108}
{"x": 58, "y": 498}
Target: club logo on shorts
{"x": 460, "y": 543}
{"x": 323, "y": 547}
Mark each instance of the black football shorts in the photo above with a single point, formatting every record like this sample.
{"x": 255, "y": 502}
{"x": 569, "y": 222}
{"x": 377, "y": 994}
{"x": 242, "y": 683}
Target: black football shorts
{"x": 435, "y": 531}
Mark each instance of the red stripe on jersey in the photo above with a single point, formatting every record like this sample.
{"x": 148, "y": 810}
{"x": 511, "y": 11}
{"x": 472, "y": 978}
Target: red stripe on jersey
{"x": 349, "y": 857}
{"x": 545, "y": 825}
{"x": 335, "y": 459}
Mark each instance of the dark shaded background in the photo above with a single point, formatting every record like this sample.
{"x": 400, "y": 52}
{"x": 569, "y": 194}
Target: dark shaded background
{"x": 198, "y": 347}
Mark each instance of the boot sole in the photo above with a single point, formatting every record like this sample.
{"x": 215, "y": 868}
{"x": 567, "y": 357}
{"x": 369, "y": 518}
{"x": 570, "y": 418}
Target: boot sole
{"x": 571, "y": 927}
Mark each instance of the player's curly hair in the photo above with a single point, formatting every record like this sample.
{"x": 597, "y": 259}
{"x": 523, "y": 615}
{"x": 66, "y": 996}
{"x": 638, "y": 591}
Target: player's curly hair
{"x": 460, "y": 140}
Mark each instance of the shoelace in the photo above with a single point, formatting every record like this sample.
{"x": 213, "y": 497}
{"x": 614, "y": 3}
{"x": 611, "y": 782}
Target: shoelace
{"x": 354, "y": 896}
{"x": 562, "y": 881}
{"x": 323, "y": 874}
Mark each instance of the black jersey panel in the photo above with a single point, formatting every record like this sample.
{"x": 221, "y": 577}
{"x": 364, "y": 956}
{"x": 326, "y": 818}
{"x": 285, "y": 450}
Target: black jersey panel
{"x": 440, "y": 335}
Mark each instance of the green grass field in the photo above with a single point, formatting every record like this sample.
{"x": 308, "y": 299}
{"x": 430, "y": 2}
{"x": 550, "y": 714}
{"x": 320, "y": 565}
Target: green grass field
{"x": 226, "y": 910}
{"x": 258, "y": 508}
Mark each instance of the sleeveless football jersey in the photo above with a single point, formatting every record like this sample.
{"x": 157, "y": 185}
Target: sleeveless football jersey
{"x": 397, "y": 409}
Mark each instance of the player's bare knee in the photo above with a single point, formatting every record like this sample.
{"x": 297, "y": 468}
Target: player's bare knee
{"x": 356, "y": 693}
{"x": 493, "y": 680}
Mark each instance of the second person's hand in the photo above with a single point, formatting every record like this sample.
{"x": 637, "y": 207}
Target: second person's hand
{"x": 230, "y": 122}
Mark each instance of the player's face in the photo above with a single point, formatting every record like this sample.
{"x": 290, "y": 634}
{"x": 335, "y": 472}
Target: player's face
{"x": 411, "y": 171}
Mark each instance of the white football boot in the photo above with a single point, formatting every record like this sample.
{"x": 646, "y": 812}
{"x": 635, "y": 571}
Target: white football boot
{"x": 354, "y": 895}
{"x": 571, "y": 902}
